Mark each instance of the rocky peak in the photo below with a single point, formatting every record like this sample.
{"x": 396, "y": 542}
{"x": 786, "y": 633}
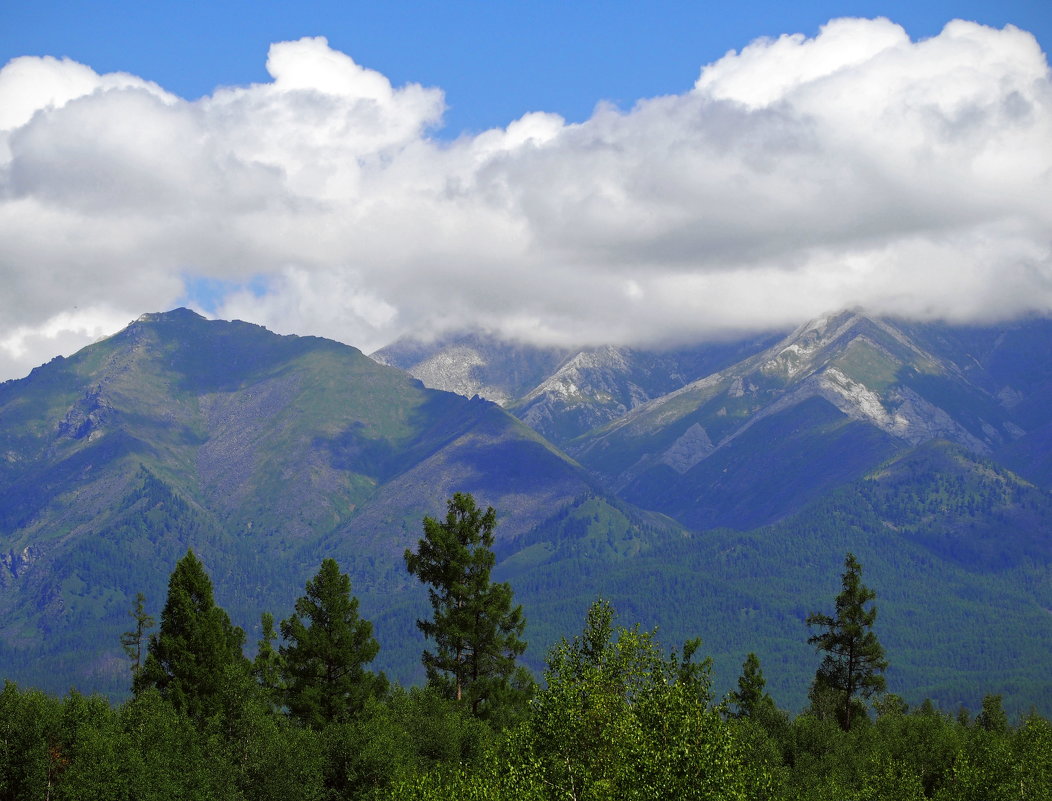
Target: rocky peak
{"x": 819, "y": 343}
{"x": 474, "y": 363}
{"x": 181, "y": 314}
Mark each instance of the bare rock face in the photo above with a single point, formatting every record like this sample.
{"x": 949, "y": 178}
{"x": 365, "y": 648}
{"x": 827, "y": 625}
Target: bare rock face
{"x": 900, "y": 412}
{"x": 474, "y": 364}
{"x": 690, "y": 448}
{"x": 86, "y": 418}
{"x": 460, "y": 369}
{"x": 589, "y": 390}
{"x": 562, "y": 392}
{"x": 13, "y": 564}
{"x": 859, "y": 364}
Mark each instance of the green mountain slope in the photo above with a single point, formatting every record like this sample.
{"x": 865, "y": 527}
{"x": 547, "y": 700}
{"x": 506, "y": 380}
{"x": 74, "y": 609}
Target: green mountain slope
{"x": 752, "y": 443}
{"x": 957, "y": 549}
{"x": 264, "y": 453}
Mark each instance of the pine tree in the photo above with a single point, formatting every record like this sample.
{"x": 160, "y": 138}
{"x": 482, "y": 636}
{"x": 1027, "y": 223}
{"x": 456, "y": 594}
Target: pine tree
{"x": 992, "y": 717}
{"x": 475, "y": 629}
{"x": 750, "y": 695}
{"x": 133, "y": 640}
{"x": 328, "y": 645}
{"x": 268, "y": 666}
{"x": 197, "y": 652}
{"x": 854, "y": 662}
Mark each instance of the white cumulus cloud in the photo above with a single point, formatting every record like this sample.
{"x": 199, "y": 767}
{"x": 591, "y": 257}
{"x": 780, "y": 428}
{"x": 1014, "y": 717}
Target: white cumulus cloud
{"x": 799, "y": 175}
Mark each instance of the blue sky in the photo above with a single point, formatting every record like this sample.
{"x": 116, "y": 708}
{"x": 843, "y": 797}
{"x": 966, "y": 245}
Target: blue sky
{"x": 495, "y": 60}
{"x": 577, "y": 173}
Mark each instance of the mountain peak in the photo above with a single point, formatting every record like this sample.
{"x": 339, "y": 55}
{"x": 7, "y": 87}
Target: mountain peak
{"x": 181, "y": 314}
{"x": 831, "y": 322}
{"x": 821, "y": 342}
{"x": 474, "y": 362}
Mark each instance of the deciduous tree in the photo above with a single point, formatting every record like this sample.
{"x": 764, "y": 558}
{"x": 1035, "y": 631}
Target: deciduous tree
{"x": 618, "y": 718}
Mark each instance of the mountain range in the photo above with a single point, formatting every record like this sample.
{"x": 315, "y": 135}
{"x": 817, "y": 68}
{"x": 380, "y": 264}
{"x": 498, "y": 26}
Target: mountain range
{"x": 710, "y": 489}
{"x": 697, "y": 433}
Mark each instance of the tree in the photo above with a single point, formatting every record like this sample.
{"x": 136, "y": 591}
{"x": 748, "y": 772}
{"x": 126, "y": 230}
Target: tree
{"x": 750, "y": 696}
{"x": 854, "y": 662}
{"x": 197, "y": 651}
{"x": 618, "y": 718}
{"x": 133, "y": 640}
{"x": 328, "y": 645}
{"x": 268, "y": 665}
{"x": 993, "y": 717}
{"x": 475, "y": 629}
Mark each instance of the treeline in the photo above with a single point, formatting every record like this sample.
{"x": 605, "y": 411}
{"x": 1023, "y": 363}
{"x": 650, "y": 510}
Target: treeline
{"x": 616, "y": 716}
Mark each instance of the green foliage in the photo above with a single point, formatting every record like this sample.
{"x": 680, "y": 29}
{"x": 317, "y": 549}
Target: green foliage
{"x": 132, "y": 641}
{"x": 268, "y": 666}
{"x": 854, "y": 659}
{"x": 751, "y": 699}
{"x": 30, "y": 757}
{"x": 475, "y": 628}
{"x": 1032, "y": 749}
{"x": 618, "y": 719}
{"x": 398, "y": 738}
{"x": 322, "y": 664}
{"x": 884, "y": 779}
{"x": 197, "y": 651}
{"x": 992, "y": 717}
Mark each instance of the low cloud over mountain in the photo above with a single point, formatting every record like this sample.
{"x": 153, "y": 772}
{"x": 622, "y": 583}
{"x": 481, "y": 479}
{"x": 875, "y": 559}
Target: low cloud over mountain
{"x": 798, "y": 175}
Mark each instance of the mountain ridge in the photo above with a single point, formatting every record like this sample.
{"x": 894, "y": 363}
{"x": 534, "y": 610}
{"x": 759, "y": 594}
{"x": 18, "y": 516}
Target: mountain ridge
{"x": 706, "y": 509}
{"x": 254, "y": 447}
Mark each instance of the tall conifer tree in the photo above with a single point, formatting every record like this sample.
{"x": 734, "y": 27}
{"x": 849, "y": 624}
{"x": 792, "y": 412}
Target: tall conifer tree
{"x": 751, "y": 696}
{"x": 197, "y": 652}
{"x": 854, "y": 663}
{"x": 475, "y": 628}
{"x": 328, "y": 646}
{"x": 134, "y": 640}
{"x": 268, "y": 666}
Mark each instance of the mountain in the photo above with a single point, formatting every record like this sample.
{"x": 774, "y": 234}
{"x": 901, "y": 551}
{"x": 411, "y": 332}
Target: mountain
{"x": 754, "y": 442}
{"x": 1012, "y": 363}
{"x": 922, "y": 448}
{"x": 262, "y": 452}
{"x": 474, "y": 363}
{"x": 957, "y": 549}
{"x": 562, "y": 393}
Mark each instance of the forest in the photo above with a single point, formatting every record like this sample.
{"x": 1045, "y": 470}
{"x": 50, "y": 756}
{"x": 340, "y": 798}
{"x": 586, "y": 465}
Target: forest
{"x": 616, "y": 713}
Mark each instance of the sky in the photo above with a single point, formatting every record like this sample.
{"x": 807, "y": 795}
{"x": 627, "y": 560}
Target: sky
{"x": 571, "y": 173}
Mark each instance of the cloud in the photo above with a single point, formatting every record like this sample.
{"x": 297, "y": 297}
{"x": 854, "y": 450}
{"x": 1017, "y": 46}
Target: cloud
{"x": 799, "y": 175}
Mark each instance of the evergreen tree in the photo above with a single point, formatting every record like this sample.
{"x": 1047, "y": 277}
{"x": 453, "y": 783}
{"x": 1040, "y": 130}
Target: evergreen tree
{"x": 328, "y": 645}
{"x": 854, "y": 662}
{"x": 475, "y": 629}
{"x": 992, "y": 717}
{"x": 268, "y": 665}
{"x": 750, "y": 695}
{"x": 197, "y": 651}
{"x": 133, "y": 640}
